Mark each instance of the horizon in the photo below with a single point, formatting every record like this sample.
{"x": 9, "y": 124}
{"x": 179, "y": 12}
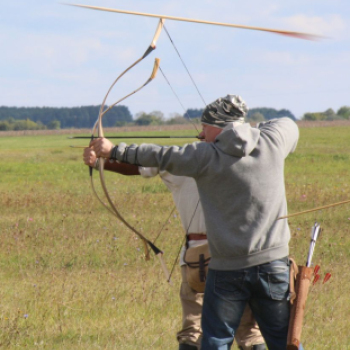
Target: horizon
{"x": 61, "y": 56}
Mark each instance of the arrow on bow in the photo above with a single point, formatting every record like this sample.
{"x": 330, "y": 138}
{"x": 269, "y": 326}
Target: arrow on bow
{"x": 314, "y": 209}
{"x": 140, "y": 137}
{"x": 298, "y": 35}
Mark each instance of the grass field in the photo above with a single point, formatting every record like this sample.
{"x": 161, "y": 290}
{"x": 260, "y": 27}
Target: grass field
{"x": 72, "y": 277}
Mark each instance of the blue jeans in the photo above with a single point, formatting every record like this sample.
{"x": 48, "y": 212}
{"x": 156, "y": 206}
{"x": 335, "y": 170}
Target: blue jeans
{"x": 265, "y": 287}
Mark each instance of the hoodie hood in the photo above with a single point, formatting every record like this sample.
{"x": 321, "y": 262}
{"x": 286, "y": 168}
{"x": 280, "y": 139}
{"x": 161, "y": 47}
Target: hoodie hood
{"x": 238, "y": 140}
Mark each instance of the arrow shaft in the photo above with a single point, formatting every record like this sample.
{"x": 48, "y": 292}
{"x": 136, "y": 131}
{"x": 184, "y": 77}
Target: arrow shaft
{"x": 276, "y": 31}
{"x": 315, "y": 209}
{"x": 138, "y": 137}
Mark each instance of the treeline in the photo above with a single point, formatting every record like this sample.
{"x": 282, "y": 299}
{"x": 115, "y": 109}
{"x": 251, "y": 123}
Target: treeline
{"x": 36, "y": 118}
{"x": 56, "y": 118}
{"x": 11, "y": 124}
{"x": 253, "y": 115}
{"x": 343, "y": 113}
{"x": 13, "y": 118}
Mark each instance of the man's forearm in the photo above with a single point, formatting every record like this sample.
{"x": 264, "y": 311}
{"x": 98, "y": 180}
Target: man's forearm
{"x": 122, "y": 168}
{"x": 181, "y": 161}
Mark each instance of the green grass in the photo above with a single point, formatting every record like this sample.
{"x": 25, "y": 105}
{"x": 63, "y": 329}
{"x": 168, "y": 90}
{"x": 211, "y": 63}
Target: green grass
{"x": 73, "y": 277}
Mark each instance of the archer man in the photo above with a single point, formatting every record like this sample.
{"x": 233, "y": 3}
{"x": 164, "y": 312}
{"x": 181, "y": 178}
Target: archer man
{"x": 239, "y": 172}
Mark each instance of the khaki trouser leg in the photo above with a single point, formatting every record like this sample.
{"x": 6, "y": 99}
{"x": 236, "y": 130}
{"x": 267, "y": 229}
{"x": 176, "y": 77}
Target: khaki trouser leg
{"x": 248, "y": 332}
{"x": 191, "y": 302}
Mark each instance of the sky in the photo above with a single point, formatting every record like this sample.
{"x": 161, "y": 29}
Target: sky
{"x": 62, "y": 56}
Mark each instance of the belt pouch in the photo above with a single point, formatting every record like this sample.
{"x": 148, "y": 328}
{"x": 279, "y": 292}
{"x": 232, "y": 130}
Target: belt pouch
{"x": 197, "y": 260}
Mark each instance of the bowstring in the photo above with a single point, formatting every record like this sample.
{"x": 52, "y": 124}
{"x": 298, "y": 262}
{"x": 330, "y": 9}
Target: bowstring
{"x": 164, "y": 224}
{"x": 189, "y": 74}
{"x": 183, "y": 63}
{"x": 182, "y": 242}
{"x": 187, "y": 117}
{"x": 177, "y": 97}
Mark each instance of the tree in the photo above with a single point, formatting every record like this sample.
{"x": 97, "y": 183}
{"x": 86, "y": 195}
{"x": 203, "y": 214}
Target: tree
{"x": 344, "y": 112}
{"x": 256, "y": 117}
{"x": 120, "y": 123}
{"x": 25, "y": 124}
{"x": 76, "y": 117}
{"x": 54, "y": 125}
{"x": 313, "y": 116}
{"x": 330, "y": 114}
{"x": 153, "y": 118}
{"x": 271, "y": 113}
{"x": 177, "y": 119}
{"x": 5, "y": 125}
{"x": 193, "y": 113}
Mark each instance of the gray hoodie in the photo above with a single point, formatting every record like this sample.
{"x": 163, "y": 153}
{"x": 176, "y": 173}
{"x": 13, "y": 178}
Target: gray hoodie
{"x": 240, "y": 180}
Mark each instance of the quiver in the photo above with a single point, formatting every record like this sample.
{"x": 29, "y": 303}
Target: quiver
{"x": 298, "y": 296}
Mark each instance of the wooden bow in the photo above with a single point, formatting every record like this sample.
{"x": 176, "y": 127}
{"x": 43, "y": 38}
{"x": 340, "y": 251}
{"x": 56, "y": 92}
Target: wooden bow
{"x": 98, "y": 124}
{"x": 99, "y": 128}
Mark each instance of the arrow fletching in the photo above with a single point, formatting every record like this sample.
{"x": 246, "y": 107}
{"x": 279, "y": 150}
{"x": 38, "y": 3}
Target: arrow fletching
{"x": 316, "y": 269}
{"x": 326, "y": 278}
{"x": 316, "y": 278}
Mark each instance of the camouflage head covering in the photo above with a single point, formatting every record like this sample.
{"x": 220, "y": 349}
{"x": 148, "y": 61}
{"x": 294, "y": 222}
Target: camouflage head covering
{"x": 224, "y": 110}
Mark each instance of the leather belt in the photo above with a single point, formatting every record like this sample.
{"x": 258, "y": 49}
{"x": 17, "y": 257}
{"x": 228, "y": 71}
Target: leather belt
{"x": 196, "y": 236}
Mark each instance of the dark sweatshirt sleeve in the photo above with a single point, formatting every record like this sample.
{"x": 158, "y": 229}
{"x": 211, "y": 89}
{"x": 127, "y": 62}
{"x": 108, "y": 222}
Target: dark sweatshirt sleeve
{"x": 182, "y": 161}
